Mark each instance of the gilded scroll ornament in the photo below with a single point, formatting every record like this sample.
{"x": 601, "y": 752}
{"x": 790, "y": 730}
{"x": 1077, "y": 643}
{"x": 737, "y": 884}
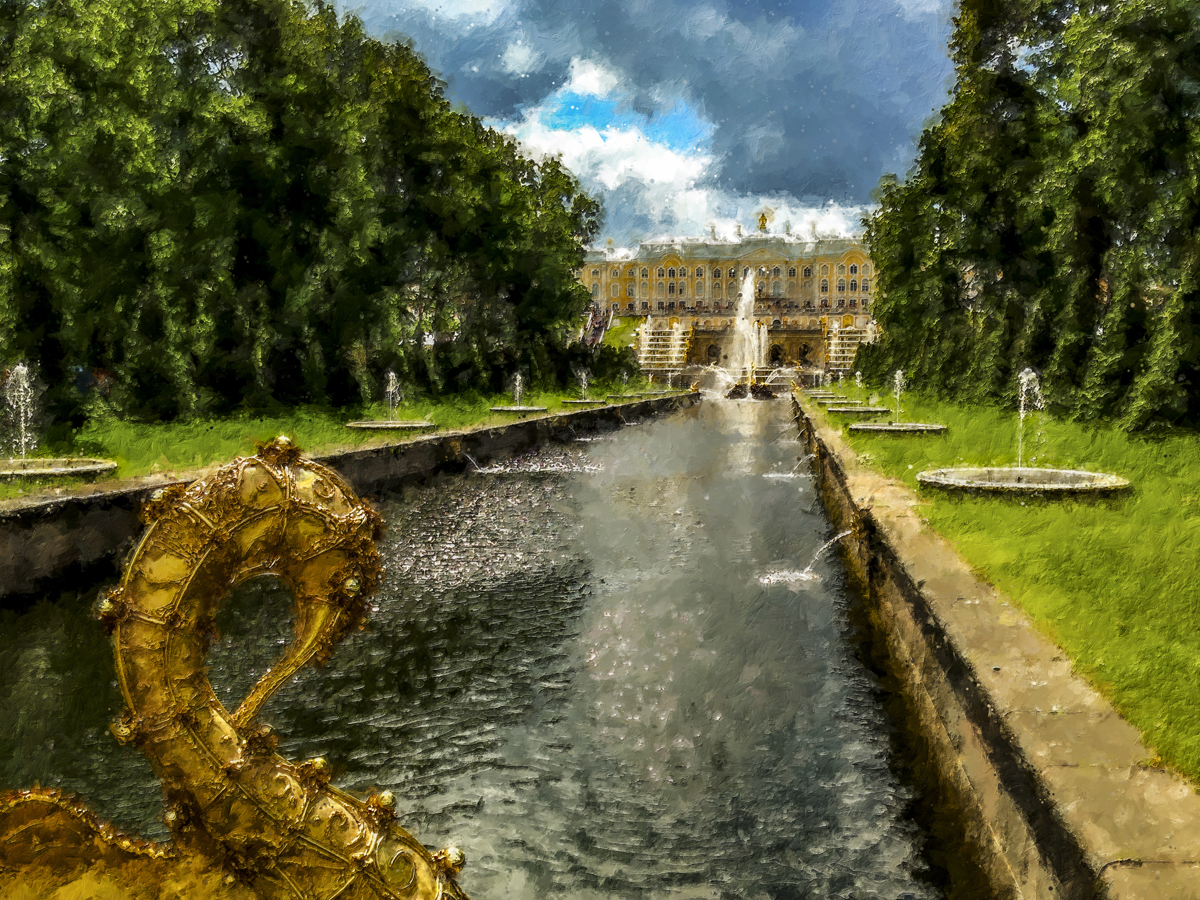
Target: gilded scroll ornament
{"x": 275, "y": 824}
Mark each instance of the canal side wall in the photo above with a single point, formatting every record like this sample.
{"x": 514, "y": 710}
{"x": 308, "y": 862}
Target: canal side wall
{"x": 70, "y": 540}
{"x": 1051, "y": 786}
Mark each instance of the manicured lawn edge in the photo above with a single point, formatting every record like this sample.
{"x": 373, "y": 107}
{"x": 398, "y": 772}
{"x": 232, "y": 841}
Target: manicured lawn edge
{"x": 1113, "y": 581}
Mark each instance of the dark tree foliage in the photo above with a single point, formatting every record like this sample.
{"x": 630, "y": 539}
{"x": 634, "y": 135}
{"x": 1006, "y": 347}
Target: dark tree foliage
{"x": 1052, "y": 217}
{"x": 251, "y": 202}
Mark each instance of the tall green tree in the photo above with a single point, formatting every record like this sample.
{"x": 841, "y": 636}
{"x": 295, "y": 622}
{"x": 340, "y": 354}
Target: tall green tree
{"x": 1061, "y": 188}
{"x": 254, "y": 202}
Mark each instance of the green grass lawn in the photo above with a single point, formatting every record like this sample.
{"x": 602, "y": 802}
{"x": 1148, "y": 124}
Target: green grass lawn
{"x": 145, "y": 448}
{"x": 621, "y": 332}
{"x": 1113, "y": 581}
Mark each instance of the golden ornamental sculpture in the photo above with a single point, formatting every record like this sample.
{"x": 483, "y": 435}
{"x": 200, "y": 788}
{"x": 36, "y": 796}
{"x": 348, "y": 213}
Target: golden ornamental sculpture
{"x": 274, "y": 824}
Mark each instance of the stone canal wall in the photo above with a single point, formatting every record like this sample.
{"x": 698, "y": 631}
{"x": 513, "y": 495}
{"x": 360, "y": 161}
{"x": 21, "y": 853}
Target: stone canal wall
{"x": 79, "y": 537}
{"x": 1054, "y": 789}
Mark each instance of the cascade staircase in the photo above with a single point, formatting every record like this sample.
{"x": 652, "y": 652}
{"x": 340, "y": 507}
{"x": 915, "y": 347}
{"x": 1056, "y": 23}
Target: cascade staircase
{"x": 841, "y": 345}
{"x": 663, "y": 350}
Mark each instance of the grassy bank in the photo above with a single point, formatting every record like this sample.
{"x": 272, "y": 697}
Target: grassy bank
{"x": 148, "y": 448}
{"x": 1112, "y": 581}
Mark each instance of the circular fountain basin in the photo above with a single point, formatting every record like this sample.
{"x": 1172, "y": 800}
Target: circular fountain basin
{"x": 858, "y": 410}
{"x": 583, "y": 402}
{"x": 898, "y": 427}
{"x": 46, "y": 467}
{"x": 1023, "y": 480}
{"x": 518, "y": 409}
{"x": 389, "y": 425}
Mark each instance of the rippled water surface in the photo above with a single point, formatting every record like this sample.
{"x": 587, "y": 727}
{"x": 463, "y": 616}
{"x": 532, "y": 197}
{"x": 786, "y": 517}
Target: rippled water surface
{"x": 593, "y": 669}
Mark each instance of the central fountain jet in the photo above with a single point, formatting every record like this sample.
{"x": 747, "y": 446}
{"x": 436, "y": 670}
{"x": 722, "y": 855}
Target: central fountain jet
{"x": 750, "y": 348}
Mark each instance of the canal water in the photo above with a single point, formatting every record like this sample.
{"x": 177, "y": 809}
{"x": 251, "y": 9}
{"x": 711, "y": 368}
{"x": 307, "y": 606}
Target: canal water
{"x": 602, "y": 670}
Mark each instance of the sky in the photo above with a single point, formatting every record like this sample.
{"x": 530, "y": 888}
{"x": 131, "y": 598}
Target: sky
{"x": 691, "y": 115}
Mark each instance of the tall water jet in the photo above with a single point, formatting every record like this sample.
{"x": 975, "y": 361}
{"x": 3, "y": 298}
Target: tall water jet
{"x": 19, "y": 395}
{"x": 898, "y": 383}
{"x": 1018, "y": 479}
{"x": 394, "y": 396}
{"x": 518, "y": 394}
{"x": 748, "y": 343}
{"x": 391, "y": 391}
{"x": 1029, "y": 398}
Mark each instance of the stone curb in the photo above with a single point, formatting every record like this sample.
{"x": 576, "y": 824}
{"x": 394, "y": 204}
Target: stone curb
{"x": 1052, "y": 783}
{"x": 46, "y": 540}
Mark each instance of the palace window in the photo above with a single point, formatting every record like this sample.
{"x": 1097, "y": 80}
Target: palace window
{"x": 615, "y": 273}
{"x": 866, "y": 285}
{"x": 645, "y": 273}
{"x": 792, "y": 272}
{"x": 807, "y": 284}
{"x": 791, "y": 290}
{"x": 853, "y": 285}
{"x": 808, "y": 304}
{"x": 776, "y": 287}
{"x": 645, "y": 289}
{"x": 731, "y": 290}
{"x": 699, "y": 271}
{"x": 616, "y": 289}
{"x": 595, "y": 290}
{"x": 629, "y": 290}
{"x": 853, "y": 303}
{"x": 841, "y": 302}
{"x": 824, "y": 286}
{"x": 699, "y": 288}
{"x": 732, "y": 272}
{"x": 670, "y": 304}
{"x": 629, "y": 306}
{"x": 716, "y": 290}
{"x": 808, "y": 271}
{"x": 775, "y": 272}
{"x": 662, "y": 273}
{"x": 629, "y": 272}
{"x": 671, "y": 272}
{"x": 645, "y": 305}
{"x": 841, "y": 269}
{"x": 595, "y": 273}
{"x": 616, "y": 306}
{"x": 841, "y": 285}
{"x": 745, "y": 271}
{"x": 866, "y": 270}
{"x": 683, "y": 289}
{"x": 662, "y": 305}
{"x": 662, "y": 289}
{"x": 824, "y": 270}
{"x": 671, "y": 288}
{"x": 854, "y": 270}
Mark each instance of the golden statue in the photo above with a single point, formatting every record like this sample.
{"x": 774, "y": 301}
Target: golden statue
{"x": 762, "y": 221}
{"x": 274, "y": 824}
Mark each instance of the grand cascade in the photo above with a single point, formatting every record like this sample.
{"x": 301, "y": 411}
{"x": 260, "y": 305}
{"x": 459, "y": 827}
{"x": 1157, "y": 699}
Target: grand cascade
{"x": 812, "y": 298}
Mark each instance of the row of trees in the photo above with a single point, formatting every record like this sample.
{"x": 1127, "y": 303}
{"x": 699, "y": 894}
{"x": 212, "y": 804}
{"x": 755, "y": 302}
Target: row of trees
{"x": 1052, "y": 219}
{"x": 218, "y": 202}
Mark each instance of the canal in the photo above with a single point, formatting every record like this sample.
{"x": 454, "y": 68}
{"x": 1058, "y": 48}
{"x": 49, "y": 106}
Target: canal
{"x": 602, "y": 670}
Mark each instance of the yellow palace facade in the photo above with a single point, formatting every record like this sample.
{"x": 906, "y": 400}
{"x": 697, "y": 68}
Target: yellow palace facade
{"x": 813, "y": 297}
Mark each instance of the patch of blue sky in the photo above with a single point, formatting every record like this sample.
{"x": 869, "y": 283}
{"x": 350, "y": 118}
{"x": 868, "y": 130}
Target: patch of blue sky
{"x": 679, "y": 128}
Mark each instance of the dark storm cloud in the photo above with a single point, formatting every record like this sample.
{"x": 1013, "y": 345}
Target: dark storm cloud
{"x": 812, "y": 100}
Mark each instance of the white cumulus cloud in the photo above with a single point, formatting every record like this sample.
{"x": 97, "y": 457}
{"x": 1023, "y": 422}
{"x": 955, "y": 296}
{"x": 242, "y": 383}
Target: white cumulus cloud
{"x": 520, "y": 59}
{"x": 591, "y": 77}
